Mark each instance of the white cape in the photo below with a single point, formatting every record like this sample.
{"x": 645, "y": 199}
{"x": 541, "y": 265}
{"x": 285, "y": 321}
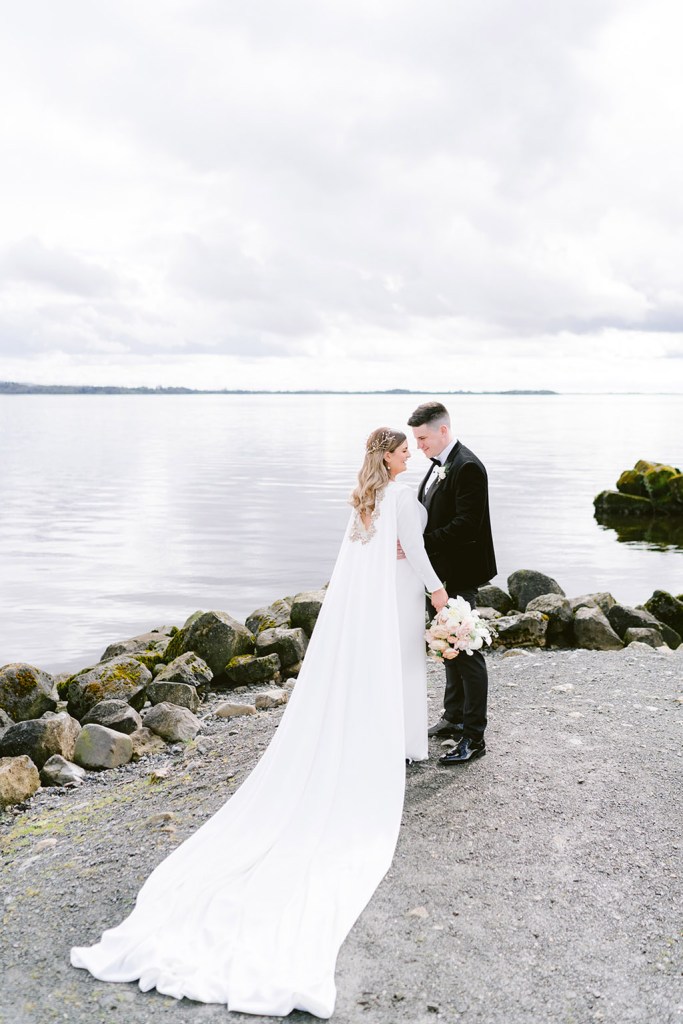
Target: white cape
{"x": 251, "y": 910}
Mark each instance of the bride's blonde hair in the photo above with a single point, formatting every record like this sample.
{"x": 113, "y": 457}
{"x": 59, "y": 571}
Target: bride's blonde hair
{"x": 374, "y": 473}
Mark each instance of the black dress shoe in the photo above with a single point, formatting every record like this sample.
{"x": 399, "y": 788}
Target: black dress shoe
{"x": 446, "y": 730}
{"x": 466, "y": 750}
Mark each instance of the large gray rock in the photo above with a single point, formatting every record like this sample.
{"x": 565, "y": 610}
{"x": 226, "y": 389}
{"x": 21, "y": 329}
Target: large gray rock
{"x": 26, "y": 692}
{"x": 217, "y": 638}
{"x": 560, "y": 630}
{"x": 142, "y": 644}
{"x": 247, "y": 669}
{"x": 57, "y": 771}
{"x": 98, "y": 747}
{"x": 494, "y": 597}
{"x": 667, "y": 609}
{"x": 289, "y": 644}
{"x": 306, "y": 609}
{"x": 118, "y": 679}
{"x": 181, "y": 694}
{"x": 651, "y": 637}
{"x": 186, "y": 668}
{"x": 602, "y": 600}
{"x": 173, "y": 723}
{"x": 19, "y": 780}
{"x": 523, "y": 629}
{"x": 526, "y": 584}
{"x": 593, "y": 632}
{"x": 114, "y": 714}
{"x": 273, "y": 615}
{"x": 40, "y": 738}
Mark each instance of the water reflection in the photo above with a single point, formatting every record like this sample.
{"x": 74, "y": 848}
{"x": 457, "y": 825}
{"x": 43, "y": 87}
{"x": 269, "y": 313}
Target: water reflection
{"x": 656, "y": 534}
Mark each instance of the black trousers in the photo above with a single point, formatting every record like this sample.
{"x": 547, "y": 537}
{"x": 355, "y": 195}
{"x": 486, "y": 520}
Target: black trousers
{"x": 467, "y": 685}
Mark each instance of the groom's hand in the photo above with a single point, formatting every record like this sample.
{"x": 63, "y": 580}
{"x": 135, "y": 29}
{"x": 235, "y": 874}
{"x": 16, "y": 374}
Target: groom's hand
{"x": 400, "y": 553}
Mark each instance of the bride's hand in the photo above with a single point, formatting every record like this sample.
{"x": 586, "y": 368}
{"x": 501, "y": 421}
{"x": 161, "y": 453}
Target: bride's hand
{"x": 439, "y": 598}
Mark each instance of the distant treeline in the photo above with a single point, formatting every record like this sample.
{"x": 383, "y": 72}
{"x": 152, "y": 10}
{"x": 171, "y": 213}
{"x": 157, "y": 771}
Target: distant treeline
{"x": 12, "y": 388}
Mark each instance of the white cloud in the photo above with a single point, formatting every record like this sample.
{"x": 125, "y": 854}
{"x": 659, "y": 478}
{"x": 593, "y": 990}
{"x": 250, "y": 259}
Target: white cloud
{"x": 342, "y": 195}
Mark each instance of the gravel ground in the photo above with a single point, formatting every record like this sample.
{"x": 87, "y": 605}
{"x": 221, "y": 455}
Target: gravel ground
{"x": 538, "y": 885}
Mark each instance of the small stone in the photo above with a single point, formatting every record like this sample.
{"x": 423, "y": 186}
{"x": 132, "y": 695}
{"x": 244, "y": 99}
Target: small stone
{"x": 173, "y": 723}
{"x": 420, "y": 912}
{"x": 146, "y": 742}
{"x": 271, "y": 699}
{"x": 45, "y": 844}
{"x": 162, "y": 818}
{"x": 563, "y": 688}
{"x": 159, "y": 774}
{"x": 57, "y": 771}
{"x": 229, "y": 710}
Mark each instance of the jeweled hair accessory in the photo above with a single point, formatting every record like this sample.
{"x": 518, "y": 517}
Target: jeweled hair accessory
{"x": 380, "y": 443}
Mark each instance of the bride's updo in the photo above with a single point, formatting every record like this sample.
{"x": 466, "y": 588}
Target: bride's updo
{"x": 374, "y": 473}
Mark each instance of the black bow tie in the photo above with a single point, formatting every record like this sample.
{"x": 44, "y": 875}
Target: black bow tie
{"x": 437, "y": 462}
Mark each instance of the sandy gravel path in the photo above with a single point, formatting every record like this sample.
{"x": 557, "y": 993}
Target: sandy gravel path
{"x": 538, "y": 885}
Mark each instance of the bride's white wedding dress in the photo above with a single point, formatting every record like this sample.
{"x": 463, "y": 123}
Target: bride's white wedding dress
{"x": 251, "y": 910}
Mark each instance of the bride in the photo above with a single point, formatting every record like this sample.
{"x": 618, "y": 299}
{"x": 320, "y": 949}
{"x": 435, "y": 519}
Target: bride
{"x": 251, "y": 910}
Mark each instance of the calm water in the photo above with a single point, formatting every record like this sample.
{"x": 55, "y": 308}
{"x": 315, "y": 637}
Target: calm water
{"x": 119, "y": 513}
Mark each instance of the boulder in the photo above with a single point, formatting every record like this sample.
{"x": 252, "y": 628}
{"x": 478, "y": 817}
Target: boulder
{"x": 631, "y": 482}
{"x": 57, "y": 771}
{"x": 180, "y": 694}
{"x": 186, "y": 668}
{"x": 118, "y": 679}
{"x": 614, "y": 503}
{"x": 5, "y": 722}
{"x": 602, "y": 600}
{"x": 494, "y": 597}
{"x": 146, "y": 742}
{"x": 521, "y": 629}
{"x": 19, "y": 780}
{"x": 40, "y": 738}
{"x": 229, "y": 710}
{"x": 144, "y": 643}
{"x": 289, "y": 644}
{"x": 26, "y": 692}
{"x": 172, "y": 723}
{"x": 98, "y": 747}
{"x": 621, "y": 618}
{"x": 636, "y": 634}
{"x": 660, "y": 484}
{"x": 667, "y": 609}
{"x": 593, "y": 632}
{"x": 273, "y": 615}
{"x": 271, "y": 699}
{"x": 560, "y": 630}
{"x": 217, "y": 638}
{"x": 306, "y": 609}
{"x": 526, "y": 584}
{"x": 114, "y": 714}
{"x": 247, "y": 669}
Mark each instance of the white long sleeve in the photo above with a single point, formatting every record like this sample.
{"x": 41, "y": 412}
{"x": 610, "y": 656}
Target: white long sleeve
{"x": 410, "y": 536}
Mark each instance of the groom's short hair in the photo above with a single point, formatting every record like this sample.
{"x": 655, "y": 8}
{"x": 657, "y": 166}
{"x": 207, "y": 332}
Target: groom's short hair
{"x": 431, "y": 413}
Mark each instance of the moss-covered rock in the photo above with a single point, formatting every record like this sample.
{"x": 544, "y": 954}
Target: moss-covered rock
{"x": 491, "y": 596}
{"x": 186, "y": 668}
{"x": 631, "y": 482}
{"x": 526, "y": 584}
{"x": 289, "y": 645}
{"x": 306, "y": 609}
{"x": 26, "y": 692}
{"x": 614, "y": 503}
{"x": 118, "y": 679}
{"x": 217, "y": 638}
{"x": 657, "y": 481}
{"x": 247, "y": 669}
{"x": 521, "y": 629}
{"x": 40, "y": 738}
{"x": 270, "y": 617}
{"x": 667, "y": 609}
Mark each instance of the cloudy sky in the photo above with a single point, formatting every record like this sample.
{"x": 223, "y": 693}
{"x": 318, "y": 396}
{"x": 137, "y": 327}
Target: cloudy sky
{"x": 342, "y": 193}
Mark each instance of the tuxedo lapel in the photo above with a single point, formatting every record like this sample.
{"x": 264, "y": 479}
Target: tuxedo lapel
{"x": 421, "y": 488}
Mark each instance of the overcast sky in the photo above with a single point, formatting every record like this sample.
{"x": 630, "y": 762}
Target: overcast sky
{"x": 342, "y": 193}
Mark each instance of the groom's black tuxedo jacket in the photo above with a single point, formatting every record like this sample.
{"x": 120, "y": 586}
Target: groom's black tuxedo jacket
{"x": 458, "y": 532}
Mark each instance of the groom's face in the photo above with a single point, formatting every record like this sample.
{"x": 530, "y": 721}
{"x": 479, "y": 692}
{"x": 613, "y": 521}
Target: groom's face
{"x": 431, "y": 439}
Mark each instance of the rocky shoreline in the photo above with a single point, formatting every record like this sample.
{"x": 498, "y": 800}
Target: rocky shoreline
{"x": 147, "y": 691}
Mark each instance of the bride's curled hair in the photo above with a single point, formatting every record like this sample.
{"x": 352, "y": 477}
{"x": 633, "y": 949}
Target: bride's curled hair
{"x": 374, "y": 473}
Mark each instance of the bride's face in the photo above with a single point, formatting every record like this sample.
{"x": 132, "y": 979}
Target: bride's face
{"x": 396, "y": 460}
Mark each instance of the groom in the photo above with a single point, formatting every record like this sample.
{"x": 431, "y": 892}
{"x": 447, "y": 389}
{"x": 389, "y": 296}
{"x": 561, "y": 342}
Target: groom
{"x": 460, "y": 547}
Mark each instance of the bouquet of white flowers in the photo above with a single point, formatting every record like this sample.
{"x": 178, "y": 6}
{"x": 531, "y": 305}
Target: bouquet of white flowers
{"x": 456, "y": 628}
